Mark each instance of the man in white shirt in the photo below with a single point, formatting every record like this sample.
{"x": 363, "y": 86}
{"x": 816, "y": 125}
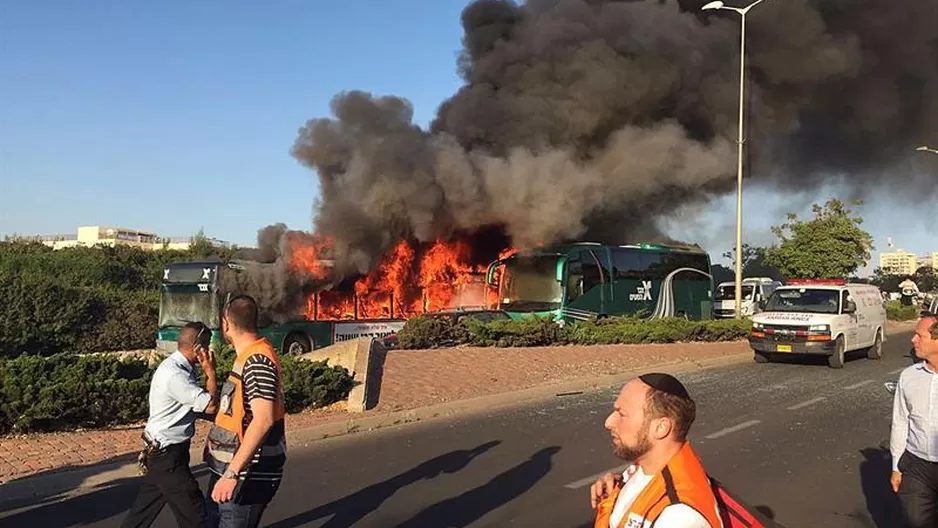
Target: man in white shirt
{"x": 665, "y": 483}
{"x": 914, "y": 439}
{"x": 175, "y": 399}
{"x": 909, "y": 291}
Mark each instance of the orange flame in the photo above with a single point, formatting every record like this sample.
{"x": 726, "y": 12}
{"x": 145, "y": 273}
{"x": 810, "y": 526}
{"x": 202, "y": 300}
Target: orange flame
{"x": 306, "y": 256}
{"x": 403, "y": 285}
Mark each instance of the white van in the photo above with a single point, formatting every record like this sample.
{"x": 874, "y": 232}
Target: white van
{"x": 755, "y": 289}
{"x": 824, "y": 317}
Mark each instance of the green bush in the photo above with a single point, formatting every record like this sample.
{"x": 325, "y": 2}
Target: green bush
{"x": 632, "y": 330}
{"x": 82, "y": 299}
{"x": 313, "y": 384}
{"x": 897, "y": 312}
{"x": 41, "y": 315}
{"x": 67, "y": 391}
{"x": 430, "y": 332}
{"x": 538, "y": 331}
{"x": 306, "y": 384}
{"x": 122, "y": 321}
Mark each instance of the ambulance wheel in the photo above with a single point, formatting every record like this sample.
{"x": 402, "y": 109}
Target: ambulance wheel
{"x": 296, "y": 344}
{"x": 836, "y": 360}
{"x": 876, "y": 351}
{"x": 761, "y": 357}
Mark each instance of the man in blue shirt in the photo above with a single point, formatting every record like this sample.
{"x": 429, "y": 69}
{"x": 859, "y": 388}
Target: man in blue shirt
{"x": 175, "y": 398}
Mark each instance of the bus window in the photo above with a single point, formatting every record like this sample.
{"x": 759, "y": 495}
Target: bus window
{"x": 655, "y": 264}
{"x": 586, "y": 270}
{"x": 684, "y": 260}
{"x": 626, "y": 264}
{"x": 595, "y": 273}
{"x": 574, "y": 278}
{"x": 530, "y": 284}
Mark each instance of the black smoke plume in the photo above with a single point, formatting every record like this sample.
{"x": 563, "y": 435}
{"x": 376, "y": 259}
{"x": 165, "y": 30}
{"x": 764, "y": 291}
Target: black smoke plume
{"x": 585, "y": 119}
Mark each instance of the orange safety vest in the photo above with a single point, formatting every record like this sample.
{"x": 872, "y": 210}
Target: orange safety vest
{"x": 227, "y": 433}
{"x": 682, "y": 481}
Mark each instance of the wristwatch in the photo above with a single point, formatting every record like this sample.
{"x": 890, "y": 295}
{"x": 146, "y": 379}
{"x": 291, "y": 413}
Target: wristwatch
{"x": 229, "y": 474}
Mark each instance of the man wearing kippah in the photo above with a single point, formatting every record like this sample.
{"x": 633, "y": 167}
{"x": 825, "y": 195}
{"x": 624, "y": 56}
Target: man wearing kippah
{"x": 665, "y": 483}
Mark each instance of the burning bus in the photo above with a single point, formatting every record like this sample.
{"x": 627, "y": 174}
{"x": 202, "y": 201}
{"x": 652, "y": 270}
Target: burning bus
{"x": 198, "y": 291}
{"x": 304, "y": 306}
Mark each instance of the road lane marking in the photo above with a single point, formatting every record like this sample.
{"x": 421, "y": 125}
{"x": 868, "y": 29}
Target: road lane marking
{"x": 732, "y": 429}
{"x": 805, "y": 403}
{"x": 897, "y": 370}
{"x": 593, "y": 478}
{"x": 855, "y": 385}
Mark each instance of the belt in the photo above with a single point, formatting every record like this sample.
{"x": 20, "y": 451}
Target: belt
{"x": 154, "y": 447}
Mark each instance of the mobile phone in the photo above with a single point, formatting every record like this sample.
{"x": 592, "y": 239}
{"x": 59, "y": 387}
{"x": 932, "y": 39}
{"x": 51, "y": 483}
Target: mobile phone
{"x": 198, "y": 339}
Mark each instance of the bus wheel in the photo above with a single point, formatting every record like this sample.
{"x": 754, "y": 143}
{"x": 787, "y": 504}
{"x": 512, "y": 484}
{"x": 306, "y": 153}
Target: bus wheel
{"x": 296, "y": 344}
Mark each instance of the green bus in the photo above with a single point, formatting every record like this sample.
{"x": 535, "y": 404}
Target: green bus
{"x": 579, "y": 281}
{"x": 198, "y": 291}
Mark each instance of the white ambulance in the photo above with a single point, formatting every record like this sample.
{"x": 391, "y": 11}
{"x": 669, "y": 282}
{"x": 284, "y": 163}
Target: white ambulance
{"x": 823, "y": 317}
{"x": 754, "y": 290}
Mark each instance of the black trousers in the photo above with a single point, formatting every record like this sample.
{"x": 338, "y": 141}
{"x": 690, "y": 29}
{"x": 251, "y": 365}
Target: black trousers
{"x": 918, "y": 491}
{"x": 168, "y": 481}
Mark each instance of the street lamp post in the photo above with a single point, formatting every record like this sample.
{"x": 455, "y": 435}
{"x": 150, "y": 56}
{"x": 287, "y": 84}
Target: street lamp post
{"x": 739, "y": 164}
{"x": 927, "y": 149}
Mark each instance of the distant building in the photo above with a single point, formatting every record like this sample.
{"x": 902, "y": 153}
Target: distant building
{"x": 932, "y": 260}
{"x": 898, "y": 262}
{"x": 89, "y": 236}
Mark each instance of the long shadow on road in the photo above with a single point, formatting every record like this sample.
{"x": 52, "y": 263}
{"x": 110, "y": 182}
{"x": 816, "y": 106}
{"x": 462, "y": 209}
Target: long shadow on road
{"x": 352, "y": 508}
{"x": 86, "y": 508}
{"x": 470, "y": 506}
{"x": 881, "y": 503}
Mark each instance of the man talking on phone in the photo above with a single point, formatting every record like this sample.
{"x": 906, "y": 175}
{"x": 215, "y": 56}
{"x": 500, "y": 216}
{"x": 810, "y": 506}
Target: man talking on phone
{"x": 175, "y": 398}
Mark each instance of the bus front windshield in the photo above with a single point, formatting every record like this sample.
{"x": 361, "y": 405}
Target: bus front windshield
{"x": 804, "y": 300}
{"x": 529, "y": 284}
{"x": 179, "y": 306}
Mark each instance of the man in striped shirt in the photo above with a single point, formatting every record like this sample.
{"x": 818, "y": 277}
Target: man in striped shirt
{"x": 914, "y": 438}
{"x": 246, "y": 449}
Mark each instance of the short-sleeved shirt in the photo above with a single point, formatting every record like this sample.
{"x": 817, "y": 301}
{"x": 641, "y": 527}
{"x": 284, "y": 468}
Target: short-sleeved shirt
{"x": 175, "y": 397}
{"x": 260, "y": 380}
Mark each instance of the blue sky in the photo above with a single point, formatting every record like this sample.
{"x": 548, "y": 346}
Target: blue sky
{"x": 110, "y": 105}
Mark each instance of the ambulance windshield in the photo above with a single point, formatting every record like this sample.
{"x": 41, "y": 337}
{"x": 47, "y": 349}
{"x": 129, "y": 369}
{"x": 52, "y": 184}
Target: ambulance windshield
{"x": 804, "y": 300}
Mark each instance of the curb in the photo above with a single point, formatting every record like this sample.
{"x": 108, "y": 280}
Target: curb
{"x": 24, "y": 492}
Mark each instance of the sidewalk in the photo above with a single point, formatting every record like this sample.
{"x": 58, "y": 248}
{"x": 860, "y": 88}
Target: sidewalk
{"x": 411, "y": 380}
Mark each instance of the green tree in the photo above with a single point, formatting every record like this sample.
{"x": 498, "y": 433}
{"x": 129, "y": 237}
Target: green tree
{"x": 754, "y": 264}
{"x": 721, "y": 273}
{"x": 926, "y": 279}
{"x": 832, "y": 245}
{"x": 885, "y": 281}
{"x": 201, "y": 246}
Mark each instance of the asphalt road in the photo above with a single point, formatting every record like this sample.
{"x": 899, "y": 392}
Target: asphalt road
{"x": 799, "y": 439}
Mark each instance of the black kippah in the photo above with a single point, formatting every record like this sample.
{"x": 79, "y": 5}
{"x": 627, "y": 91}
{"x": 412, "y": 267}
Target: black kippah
{"x": 665, "y": 383}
